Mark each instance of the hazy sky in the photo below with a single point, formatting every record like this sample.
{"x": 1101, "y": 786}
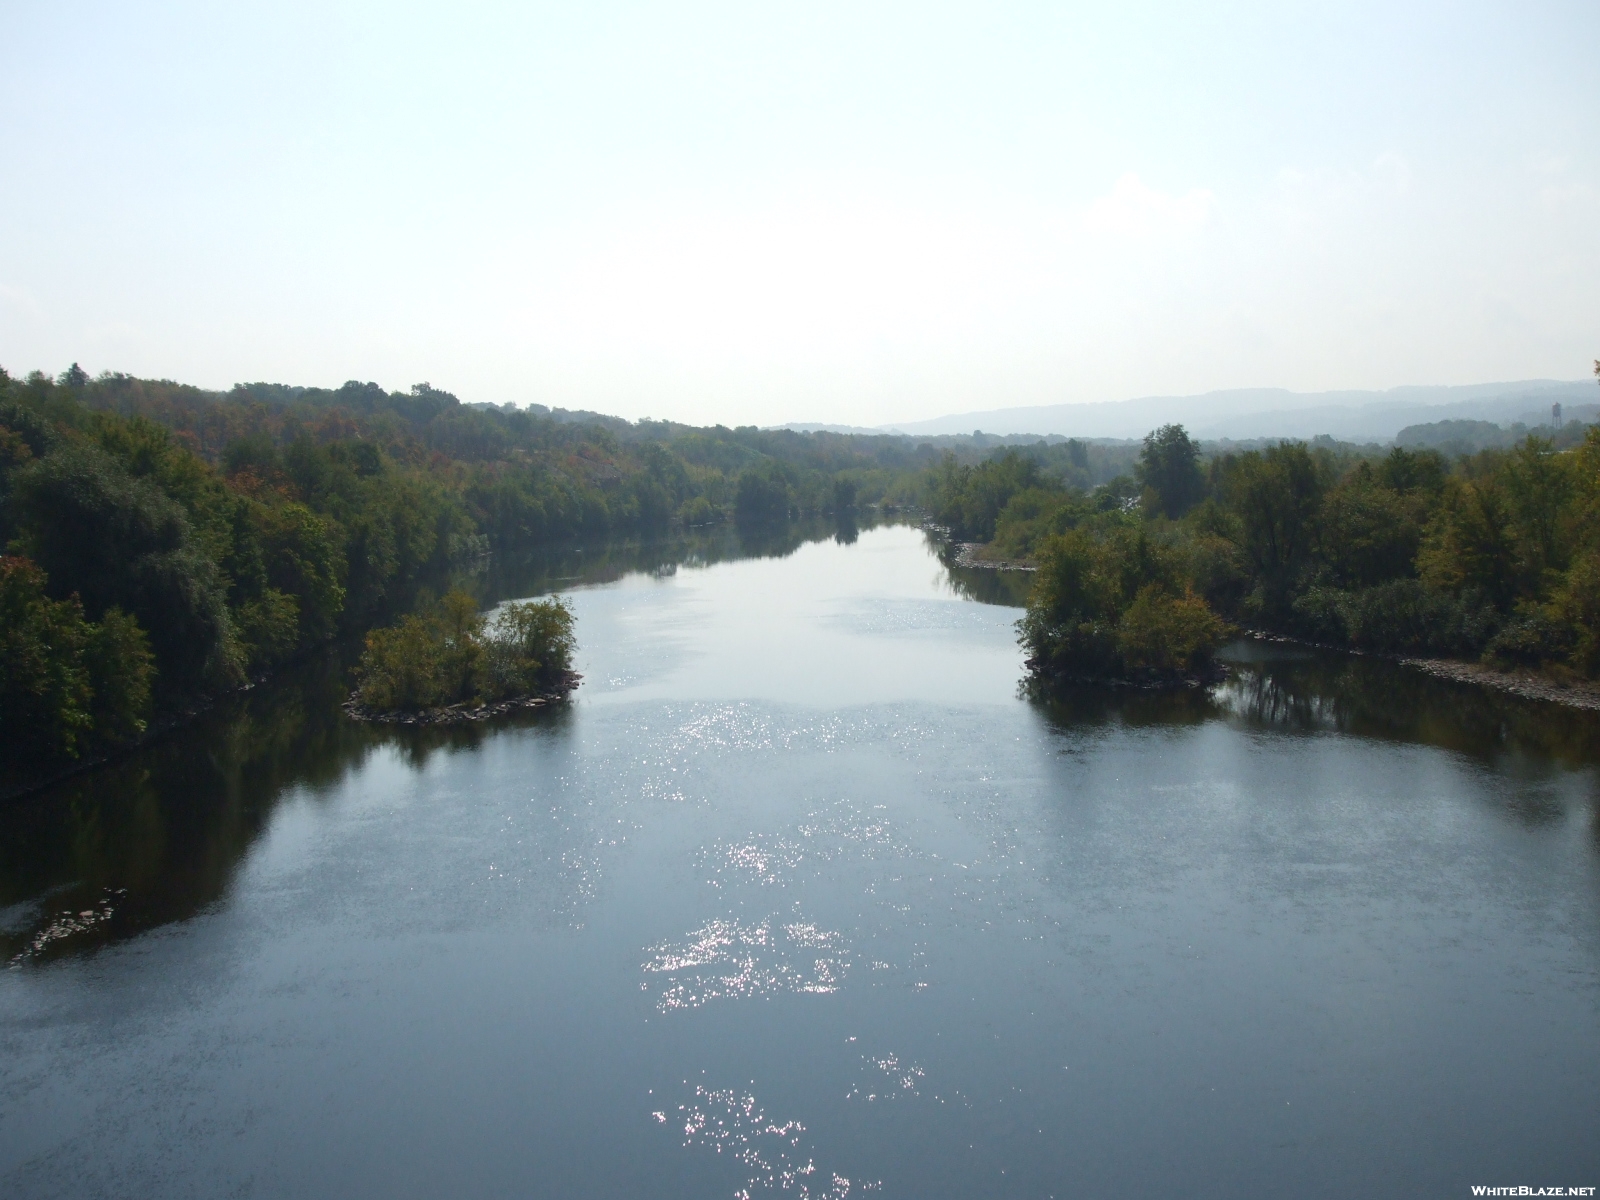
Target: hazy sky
{"x": 754, "y": 212}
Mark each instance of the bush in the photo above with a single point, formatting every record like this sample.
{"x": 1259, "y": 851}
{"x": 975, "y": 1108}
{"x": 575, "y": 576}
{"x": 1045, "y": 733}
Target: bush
{"x": 1168, "y": 633}
{"x": 530, "y": 648}
{"x": 1104, "y": 606}
{"x": 700, "y": 511}
{"x": 1530, "y": 638}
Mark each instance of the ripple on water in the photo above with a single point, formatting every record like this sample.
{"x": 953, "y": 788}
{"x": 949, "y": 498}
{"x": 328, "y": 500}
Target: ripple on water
{"x": 886, "y": 1078}
{"x": 770, "y": 1151}
{"x": 760, "y": 858}
{"x": 728, "y": 959}
{"x": 844, "y": 827}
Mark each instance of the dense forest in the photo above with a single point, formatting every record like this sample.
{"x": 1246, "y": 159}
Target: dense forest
{"x": 165, "y": 544}
{"x": 1493, "y": 555}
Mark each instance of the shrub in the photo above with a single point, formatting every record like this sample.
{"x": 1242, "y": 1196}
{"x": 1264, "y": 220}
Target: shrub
{"x": 700, "y": 511}
{"x": 530, "y": 647}
{"x": 1101, "y": 606}
{"x": 1530, "y": 638}
{"x": 1168, "y": 633}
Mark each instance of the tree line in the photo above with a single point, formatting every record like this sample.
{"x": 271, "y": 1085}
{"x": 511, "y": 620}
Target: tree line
{"x": 1492, "y": 556}
{"x": 164, "y": 543}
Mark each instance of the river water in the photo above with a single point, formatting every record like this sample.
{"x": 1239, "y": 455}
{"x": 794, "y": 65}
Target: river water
{"x": 800, "y": 897}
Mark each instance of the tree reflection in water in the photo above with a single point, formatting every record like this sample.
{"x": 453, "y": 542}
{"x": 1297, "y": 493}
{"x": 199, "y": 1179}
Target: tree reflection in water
{"x": 156, "y": 836}
{"x": 1295, "y": 691}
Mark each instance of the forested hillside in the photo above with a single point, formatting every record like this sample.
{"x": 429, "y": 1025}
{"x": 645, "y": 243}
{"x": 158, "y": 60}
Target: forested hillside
{"x": 165, "y": 543}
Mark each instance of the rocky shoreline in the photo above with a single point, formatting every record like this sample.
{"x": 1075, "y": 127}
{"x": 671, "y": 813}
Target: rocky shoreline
{"x": 460, "y": 714}
{"x": 1527, "y": 684}
{"x": 966, "y": 553}
{"x": 1530, "y": 685}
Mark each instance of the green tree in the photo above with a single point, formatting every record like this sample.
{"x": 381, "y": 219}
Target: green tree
{"x": 1166, "y": 633}
{"x": 120, "y": 542}
{"x": 1275, "y": 494}
{"x": 302, "y": 559}
{"x": 65, "y": 683}
{"x": 1367, "y": 533}
{"x": 1070, "y": 624}
{"x": 447, "y": 654}
{"x": 1169, "y": 466}
{"x": 530, "y": 647}
{"x": 763, "y": 494}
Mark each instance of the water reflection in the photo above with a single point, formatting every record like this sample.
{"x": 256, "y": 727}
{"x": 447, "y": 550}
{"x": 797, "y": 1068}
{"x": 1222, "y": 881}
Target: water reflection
{"x": 756, "y": 922}
{"x": 1294, "y": 690}
{"x": 1007, "y": 588}
{"x": 575, "y": 564}
{"x": 164, "y": 829}
{"x": 155, "y": 837}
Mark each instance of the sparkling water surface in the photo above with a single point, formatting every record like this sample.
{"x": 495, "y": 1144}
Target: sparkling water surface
{"x": 801, "y": 897}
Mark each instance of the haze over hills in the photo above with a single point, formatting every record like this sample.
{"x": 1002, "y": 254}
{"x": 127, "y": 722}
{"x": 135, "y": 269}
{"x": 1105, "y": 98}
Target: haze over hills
{"x": 1276, "y": 412}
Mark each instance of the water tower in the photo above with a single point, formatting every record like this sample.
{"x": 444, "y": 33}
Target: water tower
{"x": 1555, "y": 415}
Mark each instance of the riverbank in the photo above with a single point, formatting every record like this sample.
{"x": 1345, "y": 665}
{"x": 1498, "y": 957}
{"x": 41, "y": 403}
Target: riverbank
{"x": 1530, "y": 685}
{"x": 967, "y": 556}
{"x": 1579, "y": 693}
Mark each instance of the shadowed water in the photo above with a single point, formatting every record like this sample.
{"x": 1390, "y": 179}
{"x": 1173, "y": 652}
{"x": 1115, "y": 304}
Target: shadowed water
{"x": 800, "y": 897}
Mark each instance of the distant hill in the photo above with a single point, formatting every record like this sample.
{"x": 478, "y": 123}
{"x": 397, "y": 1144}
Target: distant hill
{"x": 1464, "y": 436}
{"x": 1468, "y": 437}
{"x": 1358, "y": 416}
{"x": 815, "y": 427}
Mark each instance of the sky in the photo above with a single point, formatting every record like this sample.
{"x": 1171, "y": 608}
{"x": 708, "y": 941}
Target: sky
{"x": 756, "y": 213}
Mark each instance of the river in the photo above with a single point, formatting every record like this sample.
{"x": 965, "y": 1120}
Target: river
{"x": 801, "y": 897}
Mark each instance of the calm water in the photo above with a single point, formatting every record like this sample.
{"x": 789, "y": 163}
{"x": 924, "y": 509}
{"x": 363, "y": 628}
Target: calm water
{"x": 799, "y": 897}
